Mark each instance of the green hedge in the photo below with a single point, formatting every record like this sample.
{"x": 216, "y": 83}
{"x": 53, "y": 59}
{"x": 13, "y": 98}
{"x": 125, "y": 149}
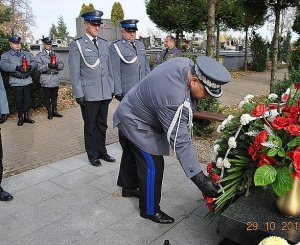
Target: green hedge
{"x": 211, "y": 104}
{"x": 293, "y": 78}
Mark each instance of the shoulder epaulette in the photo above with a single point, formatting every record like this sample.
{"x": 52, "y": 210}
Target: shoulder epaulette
{"x": 77, "y": 38}
{"x": 102, "y": 39}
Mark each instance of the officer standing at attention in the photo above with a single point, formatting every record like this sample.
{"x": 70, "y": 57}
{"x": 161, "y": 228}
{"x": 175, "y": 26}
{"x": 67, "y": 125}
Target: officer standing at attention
{"x": 130, "y": 66}
{"x": 158, "y": 112}
{"x": 93, "y": 85}
{"x": 19, "y": 64}
{"x": 170, "y": 51}
{"x": 4, "y": 196}
{"x": 49, "y": 64}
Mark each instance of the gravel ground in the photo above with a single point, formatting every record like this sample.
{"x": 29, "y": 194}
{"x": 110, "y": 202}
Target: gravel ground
{"x": 204, "y": 147}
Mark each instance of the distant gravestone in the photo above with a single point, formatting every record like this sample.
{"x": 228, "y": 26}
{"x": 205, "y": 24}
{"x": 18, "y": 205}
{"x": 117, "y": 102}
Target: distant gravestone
{"x": 107, "y": 30}
{"x": 146, "y": 41}
{"x": 157, "y": 42}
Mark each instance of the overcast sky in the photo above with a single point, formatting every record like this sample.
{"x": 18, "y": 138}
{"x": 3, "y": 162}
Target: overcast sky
{"x": 47, "y": 12}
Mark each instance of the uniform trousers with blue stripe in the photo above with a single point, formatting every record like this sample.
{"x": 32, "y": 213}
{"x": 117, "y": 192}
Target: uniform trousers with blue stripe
{"x": 150, "y": 169}
{"x": 1, "y": 157}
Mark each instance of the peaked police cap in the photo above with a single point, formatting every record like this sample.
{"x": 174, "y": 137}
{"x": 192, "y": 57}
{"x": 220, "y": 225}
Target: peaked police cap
{"x": 93, "y": 16}
{"x": 212, "y": 75}
{"x": 129, "y": 24}
{"x": 47, "y": 40}
{"x": 15, "y": 39}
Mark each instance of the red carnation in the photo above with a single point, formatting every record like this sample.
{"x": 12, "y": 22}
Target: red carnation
{"x": 297, "y": 86}
{"x": 296, "y": 160}
{"x": 293, "y": 129}
{"x": 259, "y": 110}
{"x": 256, "y": 145}
{"x": 264, "y": 159}
{"x": 209, "y": 168}
{"x": 281, "y": 122}
{"x": 215, "y": 178}
{"x": 291, "y": 112}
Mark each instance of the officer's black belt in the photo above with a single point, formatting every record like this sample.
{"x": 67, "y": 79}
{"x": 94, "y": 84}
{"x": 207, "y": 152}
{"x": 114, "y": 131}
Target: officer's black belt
{"x": 50, "y": 72}
{"x": 20, "y": 76}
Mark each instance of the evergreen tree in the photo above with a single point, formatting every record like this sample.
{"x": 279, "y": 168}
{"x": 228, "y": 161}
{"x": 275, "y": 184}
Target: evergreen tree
{"x": 178, "y": 15}
{"x": 86, "y": 8}
{"x": 286, "y": 47}
{"x": 296, "y": 25}
{"x": 61, "y": 28}
{"x": 117, "y": 14}
{"x": 53, "y": 31}
{"x": 277, "y": 6}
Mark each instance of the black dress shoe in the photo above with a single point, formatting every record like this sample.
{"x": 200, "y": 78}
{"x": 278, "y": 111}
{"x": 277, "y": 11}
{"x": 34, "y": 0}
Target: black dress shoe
{"x": 206, "y": 185}
{"x": 5, "y": 196}
{"x": 56, "y": 114}
{"x": 159, "y": 217}
{"x": 126, "y": 192}
{"x": 107, "y": 158}
{"x": 94, "y": 161}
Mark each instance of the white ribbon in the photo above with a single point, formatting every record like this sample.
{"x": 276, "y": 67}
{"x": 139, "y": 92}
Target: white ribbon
{"x": 94, "y": 66}
{"x": 122, "y": 57}
{"x": 177, "y": 117}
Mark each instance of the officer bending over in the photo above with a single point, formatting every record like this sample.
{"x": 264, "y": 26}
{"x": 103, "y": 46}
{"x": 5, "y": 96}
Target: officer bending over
{"x": 159, "y": 111}
{"x": 49, "y": 64}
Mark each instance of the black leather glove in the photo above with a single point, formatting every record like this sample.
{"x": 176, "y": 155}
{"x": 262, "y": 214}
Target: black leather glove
{"x": 206, "y": 185}
{"x": 119, "y": 97}
{"x": 29, "y": 68}
{"x": 3, "y": 118}
{"x": 20, "y": 69}
{"x": 52, "y": 66}
{"x": 81, "y": 101}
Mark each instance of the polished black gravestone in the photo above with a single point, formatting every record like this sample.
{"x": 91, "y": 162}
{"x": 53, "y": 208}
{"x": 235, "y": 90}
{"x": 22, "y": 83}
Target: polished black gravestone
{"x": 251, "y": 219}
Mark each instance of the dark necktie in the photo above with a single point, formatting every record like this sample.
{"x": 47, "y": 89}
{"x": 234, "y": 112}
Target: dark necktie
{"x": 95, "y": 42}
{"x": 133, "y": 46}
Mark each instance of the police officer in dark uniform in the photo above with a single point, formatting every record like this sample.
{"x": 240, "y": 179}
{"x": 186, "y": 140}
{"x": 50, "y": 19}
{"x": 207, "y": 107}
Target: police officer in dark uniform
{"x": 49, "y": 64}
{"x": 19, "y": 64}
{"x": 157, "y": 113}
{"x": 130, "y": 66}
{"x": 4, "y": 196}
{"x": 93, "y": 85}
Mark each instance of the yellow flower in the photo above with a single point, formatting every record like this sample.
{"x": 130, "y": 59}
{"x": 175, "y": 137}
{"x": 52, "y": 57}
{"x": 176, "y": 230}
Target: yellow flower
{"x": 273, "y": 240}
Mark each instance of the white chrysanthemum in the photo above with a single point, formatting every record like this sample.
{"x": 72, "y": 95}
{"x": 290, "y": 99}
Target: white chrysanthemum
{"x": 248, "y": 97}
{"x": 232, "y": 142}
{"x": 216, "y": 148}
{"x": 242, "y": 103}
{"x": 226, "y": 163}
{"x": 273, "y": 240}
{"x": 252, "y": 133}
{"x": 219, "y": 163}
{"x": 268, "y": 144}
{"x": 246, "y": 118}
{"x": 272, "y": 96}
